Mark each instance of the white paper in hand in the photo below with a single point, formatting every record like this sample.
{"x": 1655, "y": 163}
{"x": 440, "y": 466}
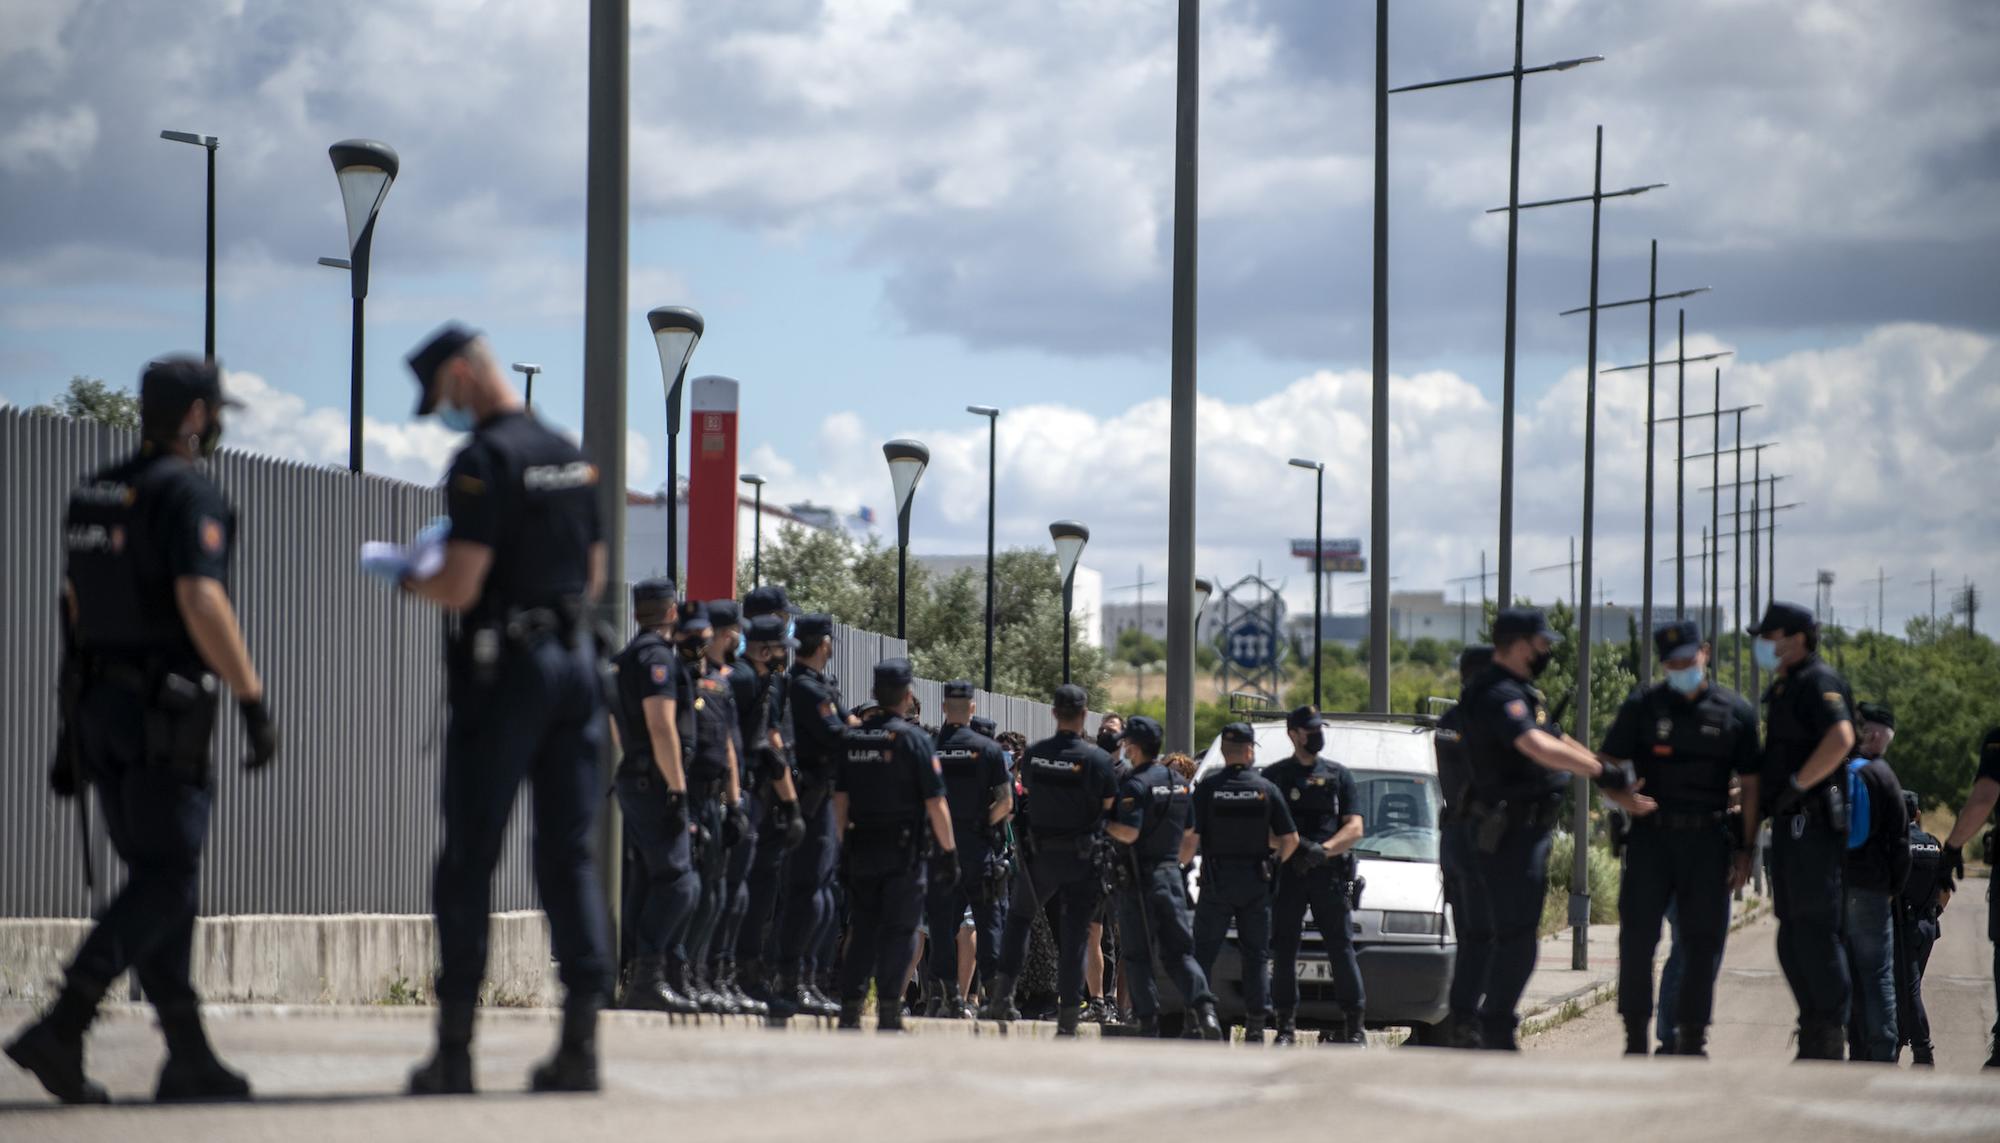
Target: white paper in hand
{"x": 426, "y": 557}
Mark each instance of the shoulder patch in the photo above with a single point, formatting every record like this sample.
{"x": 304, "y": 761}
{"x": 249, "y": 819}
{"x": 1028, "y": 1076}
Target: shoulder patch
{"x": 1517, "y": 709}
{"x": 211, "y": 535}
{"x": 659, "y": 674}
{"x": 468, "y": 484}
{"x": 1835, "y": 703}
{"x": 937, "y": 766}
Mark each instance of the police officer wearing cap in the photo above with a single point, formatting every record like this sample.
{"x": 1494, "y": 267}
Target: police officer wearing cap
{"x": 980, "y": 796}
{"x": 147, "y": 626}
{"x": 1068, "y": 784}
{"x": 1977, "y": 809}
{"x": 1808, "y": 734}
{"x": 713, "y": 794}
{"x": 1321, "y": 796}
{"x": 1521, "y": 765}
{"x": 888, "y": 801}
{"x": 1239, "y": 819}
{"x": 1878, "y": 865}
{"x": 1152, "y": 823}
{"x": 524, "y": 559}
{"x": 814, "y": 721}
{"x": 1471, "y": 913}
{"x": 651, "y": 716}
{"x": 768, "y": 650}
{"x": 1687, "y": 738}
{"x": 1922, "y": 902}
{"x": 741, "y": 823}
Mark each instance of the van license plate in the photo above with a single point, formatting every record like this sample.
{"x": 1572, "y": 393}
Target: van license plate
{"x": 1315, "y": 970}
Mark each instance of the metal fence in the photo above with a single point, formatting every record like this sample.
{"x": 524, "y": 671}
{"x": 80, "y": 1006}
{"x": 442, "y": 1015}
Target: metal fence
{"x": 347, "y": 820}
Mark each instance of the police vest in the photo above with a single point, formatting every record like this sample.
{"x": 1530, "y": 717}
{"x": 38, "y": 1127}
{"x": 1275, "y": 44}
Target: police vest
{"x": 965, "y": 788}
{"x": 1688, "y": 750}
{"x": 1920, "y": 891}
{"x": 1314, "y": 798}
{"x": 1454, "y": 768}
{"x": 1059, "y": 798}
{"x": 633, "y": 736}
{"x": 712, "y": 718}
{"x": 1168, "y": 805}
{"x": 1239, "y": 818}
{"x": 124, "y": 597}
{"x": 878, "y": 773}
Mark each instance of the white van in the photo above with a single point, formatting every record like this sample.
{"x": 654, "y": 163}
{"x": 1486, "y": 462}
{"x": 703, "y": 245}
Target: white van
{"x": 1402, "y": 933}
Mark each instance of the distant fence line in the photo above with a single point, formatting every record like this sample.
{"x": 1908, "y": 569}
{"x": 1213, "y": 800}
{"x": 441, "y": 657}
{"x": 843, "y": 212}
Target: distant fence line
{"x": 347, "y": 820}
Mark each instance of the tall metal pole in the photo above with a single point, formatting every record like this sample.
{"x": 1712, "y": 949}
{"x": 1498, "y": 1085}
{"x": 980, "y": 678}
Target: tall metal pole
{"x": 1646, "y": 560}
{"x": 1715, "y": 524}
{"x": 1756, "y": 672}
{"x": 1319, "y": 547}
{"x": 674, "y": 487}
{"x": 1507, "y": 367}
{"x": 1181, "y": 430}
{"x": 1736, "y": 580}
{"x": 1680, "y": 477}
{"x": 902, "y": 583}
{"x": 1579, "y": 954}
{"x": 1771, "y": 580}
{"x": 757, "y": 538}
{"x": 1378, "y": 471}
{"x": 1068, "y": 592}
{"x": 208, "y": 328}
{"x": 354, "y": 391}
{"x": 992, "y": 499}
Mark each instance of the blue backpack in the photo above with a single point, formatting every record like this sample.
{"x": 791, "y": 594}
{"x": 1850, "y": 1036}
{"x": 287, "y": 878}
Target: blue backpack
{"x": 1858, "y": 816}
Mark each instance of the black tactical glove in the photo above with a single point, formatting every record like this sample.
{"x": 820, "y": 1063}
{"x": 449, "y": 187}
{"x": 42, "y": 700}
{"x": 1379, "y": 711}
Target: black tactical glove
{"x": 1951, "y": 868}
{"x": 259, "y": 732}
{"x": 944, "y": 869}
{"x": 791, "y": 822}
{"x": 1789, "y": 796}
{"x": 1615, "y": 776}
{"x": 1308, "y": 856}
{"x": 62, "y": 775}
{"x": 677, "y": 812}
{"x": 735, "y": 824}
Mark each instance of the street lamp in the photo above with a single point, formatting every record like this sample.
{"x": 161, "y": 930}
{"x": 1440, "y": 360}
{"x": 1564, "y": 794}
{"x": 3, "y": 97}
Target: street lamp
{"x": 1318, "y": 469}
{"x": 992, "y": 416}
{"x": 907, "y": 461}
{"x": 676, "y": 331}
{"x": 365, "y": 169}
{"x": 1070, "y": 537}
{"x": 209, "y": 143}
{"x": 1204, "y": 588}
{"x": 528, "y": 371}
{"x": 756, "y": 484}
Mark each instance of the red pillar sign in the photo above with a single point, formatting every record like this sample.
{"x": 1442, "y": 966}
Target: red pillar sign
{"x": 712, "y": 496}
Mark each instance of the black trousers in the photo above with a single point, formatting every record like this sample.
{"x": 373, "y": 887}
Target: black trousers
{"x": 1234, "y": 891}
{"x": 1054, "y": 873}
{"x": 946, "y": 905}
{"x": 1663, "y": 867}
{"x": 664, "y": 897}
{"x": 1326, "y": 895}
{"x": 1809, "y": 899}
{"x": 1157, "y": 907}
{"x": 736, "y": 882}
{"x": 885, "y": 896}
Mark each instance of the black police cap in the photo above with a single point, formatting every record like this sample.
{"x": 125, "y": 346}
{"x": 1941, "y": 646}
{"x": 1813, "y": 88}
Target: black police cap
{"x": 724, "y": 613}
{"x": 768, "y": 600}
{"x": 980, "y": 724}
{"x": 171, "y": 384}
{"x": 694, "y": 616}
{"x": 1070, "y": 698}
{"x": 1144, "y": 731}
{"x": 1783, "y": 618}
{"x": 1303, "y": 718}
{"x": 1910, "y": 805}
{"x": 817, "y": 625}
{"x": 1877, "y": 713}
{"x": 1521, "y": 623}
{"x": 444, "y": 343}
{"x": 893, "y": 673}
{"x": 1239, "y": 733}
{"x": 1677, "y": 640}
{"x": 1474, "y": 659}
{"x": 959, "y": 689}
{"x": 659, "y": 589}
{"x": 769, "y": 629}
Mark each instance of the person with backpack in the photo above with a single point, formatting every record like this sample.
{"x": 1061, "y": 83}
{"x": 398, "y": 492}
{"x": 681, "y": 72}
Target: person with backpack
{"x": 1878, "y": 862}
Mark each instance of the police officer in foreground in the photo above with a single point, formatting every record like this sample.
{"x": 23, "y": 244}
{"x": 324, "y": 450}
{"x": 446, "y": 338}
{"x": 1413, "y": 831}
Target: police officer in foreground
{"x": 1521, "y": 764}
{"x": 1977, "y": 809}
{"x": 1153, "y": 826}
{"x": 1808, "y": 734}
{"x": 1068, "y": 786}
{"x": 147, "y": 625}
{"x": 816, "y": 720}
{"x": 1320, "y": 794}
{"x": 1239, "y": 819}
{"x": 980, "y": 796}
{"x": 888, "y": 803}
{"x": 1686, "y": 737}
{"x": 1923, "y": 901}
{"x": 713, "y": 793}
{"x": 524, "y": 560}
{"x": 768, "y": 649}
{"x": 1878, "y": 865}
{"x": 1471, "y": 913}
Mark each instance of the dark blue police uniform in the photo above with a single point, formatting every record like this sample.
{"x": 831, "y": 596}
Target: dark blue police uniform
{"x": 768, "y": 616}
{"x": 1320, "y": 795}
{"x": 1921, "y": 906}
{"x": 1153, "y": 914}
{"x": 815, "y": 720}
{"x": 1471, "y": 912}
{"x": 974, "y": 768}
{"x": 708, "y": 773}
{"x": 1236, "y": 812}
{"x": 1686, "y": 749}
{"x": 888, "y": 774}
{"x": 749, "y": 698}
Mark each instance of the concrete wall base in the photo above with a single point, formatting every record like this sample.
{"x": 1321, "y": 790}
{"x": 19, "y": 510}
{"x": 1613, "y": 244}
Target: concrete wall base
{"x": 344, "y": 959}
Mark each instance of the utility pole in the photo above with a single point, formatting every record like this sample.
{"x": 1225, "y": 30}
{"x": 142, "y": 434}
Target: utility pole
{"x": 1182, "y": 388}
{"x": 1934, "y": 583}
{"x": 1138, "y": 585}
{"x": 1881, "y": 577}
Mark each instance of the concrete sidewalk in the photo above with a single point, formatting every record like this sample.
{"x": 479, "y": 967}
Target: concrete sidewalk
{"x": 1557, "y": 992}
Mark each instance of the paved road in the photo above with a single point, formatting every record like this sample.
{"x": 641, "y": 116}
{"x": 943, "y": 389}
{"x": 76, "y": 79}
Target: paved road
{"x": 1754, "y": 1012}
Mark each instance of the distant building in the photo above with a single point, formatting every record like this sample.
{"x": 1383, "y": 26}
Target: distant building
{"x": 1152, "y": 619}
{"x": 646, "y": 529}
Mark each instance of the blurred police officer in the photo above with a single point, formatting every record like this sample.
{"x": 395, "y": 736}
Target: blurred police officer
{"x": 1686, "y": 737}
{"x": 525, "y": 559}
{"x": 1471, "y": 913}
{"x": 1923, "y": 901}
{"x": 742, "y": 821}
{"x": 1977, "y": 809}
{"x": 1067, "y": 784}
{"x": 1520, "y": 768}
{"x": 1239, "y": 819}
{"x": 1878, "y": 864}
{"x": 1320, "y": 794}
{"x": 713, "y": 793}
{"x": 1153, "y": 823}
{"x": 768, "y": 649}
{"x": 888, "y": 788}
{"x": 816, "y": 720}
{"x": 1808, "y": 734}
{"x": 147, "y": 625}
{"x": 980, "y": 796}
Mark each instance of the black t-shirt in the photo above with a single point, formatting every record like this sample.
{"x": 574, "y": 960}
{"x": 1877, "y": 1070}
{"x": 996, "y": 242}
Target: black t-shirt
{"x": 519, "y": 488}
{"x": 1882, "y": 863}
{"x": 973, "y": 765}
{"x": 888, "y": 770}
{"x": 1318, "y": 795}
{"x": 715, "y": 723}
{"x": 1160, "y": 805}
{"x": 745, "y": 694}
{"x": 130, "y": 531}
{"x": 1800, "y": 707}
{"x": 1500, "y": 707}
{"x": 1236, "y": 810}
{"x": 1685, "y": 750}
{"x": 646, "y": 668}
{"x": 816, "y": 718}
{"x": 1066, "y": 778}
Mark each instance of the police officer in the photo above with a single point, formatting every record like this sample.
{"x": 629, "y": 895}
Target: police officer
{"x": 713, "y": 793}
{"x": 980, "y": 796}
{"x": 768, "y": 650}
{"x": 525, "y": 557}
{"x": 889, "y": 785}
{"x": 1808, "y": 734}
{"x": 1471, "y": 913}
{"x": 1068, "y": 786}
{"x": 1239, "y": 819}
{"x": 147, "y": 625}
{"x": 1878, "y": 865}
{"x": 1520, "y": 768}
{"x": 1320, "y": 794}
{"x": 1687, "y": 737}
{"x": 740, "y": 824}
{"x": 1153, "y": 825}
{"x": 1923, "y": 900}
{"x": 1977, "y": 809}
{"x": 816, "y": 720}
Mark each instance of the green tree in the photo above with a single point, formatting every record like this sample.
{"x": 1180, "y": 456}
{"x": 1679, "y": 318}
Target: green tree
{"x": 1136, "y": 648}
{"x": 90, "y": 399}
{"x": 1939, "y": 683}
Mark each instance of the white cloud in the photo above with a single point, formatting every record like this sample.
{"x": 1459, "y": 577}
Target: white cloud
{"x": 64, "y": 139}
{"x": 279, "y": 423}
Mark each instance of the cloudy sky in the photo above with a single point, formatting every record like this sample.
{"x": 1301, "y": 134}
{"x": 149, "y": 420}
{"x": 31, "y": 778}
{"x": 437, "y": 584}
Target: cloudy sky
{"x": 887, "y": 210}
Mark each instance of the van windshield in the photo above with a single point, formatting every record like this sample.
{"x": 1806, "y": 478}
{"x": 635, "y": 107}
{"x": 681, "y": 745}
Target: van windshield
{"x": 1400, "y": 811}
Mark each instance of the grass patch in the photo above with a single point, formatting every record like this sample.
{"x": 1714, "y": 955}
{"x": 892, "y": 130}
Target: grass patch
{"x": 1603, "y": 886}
{"x": 401, "y": 993}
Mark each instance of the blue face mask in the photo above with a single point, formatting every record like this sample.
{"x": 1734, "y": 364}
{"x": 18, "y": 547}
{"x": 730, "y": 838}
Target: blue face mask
{"x": 456, "y": 419}
{"x": 1687, "y": 680}
{"x": 742, "y": 644}
{"x": 1765, "y": 653}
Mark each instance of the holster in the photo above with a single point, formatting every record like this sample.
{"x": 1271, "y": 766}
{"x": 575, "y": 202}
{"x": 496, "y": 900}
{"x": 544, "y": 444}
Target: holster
{"x": 69, "y": 701}
{"x": 1618, "y": 829}
{"x": 178, "y": 723}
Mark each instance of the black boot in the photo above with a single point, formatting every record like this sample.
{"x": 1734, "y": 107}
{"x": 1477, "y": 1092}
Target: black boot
{"x": 717, "y": 1002}
{"x": 1201, "y": 1022}
{"x": 574, "y": 1066}
{"x": 192, "y": 1073}
{"x": 1353, "y": 1034}
{"x": 647, "y": 990}
{"x": 1067, "y": 1018}
{"x": 953, "y": 1007}
{"x": 782, "y": 998}
{"x": 1094, "y": 1012}
{"x": 889, "y": 1014}
{"x": 1000, "y": 1005}
{"x": 1691, "y": 1040}
{"x": 1253, "y": 1028}
{"x": 850, "y": 1012}
{"x": 52, "y": 1047}
{"x": 1148, "y": 1027}
{"x": 1821, "y": 1040}
{"x": 1922, "y": 1055}
{"x": 449, "y": 1071}
{"x": 1463, "y": 1032}
{"x": 1638, "y": 1036}
{"x": 1286, "y": 1028}
{"x": 746, "y": 1003}
{"x": 821, "y": 990}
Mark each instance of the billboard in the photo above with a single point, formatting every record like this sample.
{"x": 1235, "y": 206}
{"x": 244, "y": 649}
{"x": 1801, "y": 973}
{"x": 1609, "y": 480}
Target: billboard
{"x": 1338, "y": 555}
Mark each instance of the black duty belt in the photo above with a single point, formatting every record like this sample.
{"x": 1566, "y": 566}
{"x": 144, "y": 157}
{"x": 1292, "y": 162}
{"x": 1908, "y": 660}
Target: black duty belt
{"x": 1684, "y": 821}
